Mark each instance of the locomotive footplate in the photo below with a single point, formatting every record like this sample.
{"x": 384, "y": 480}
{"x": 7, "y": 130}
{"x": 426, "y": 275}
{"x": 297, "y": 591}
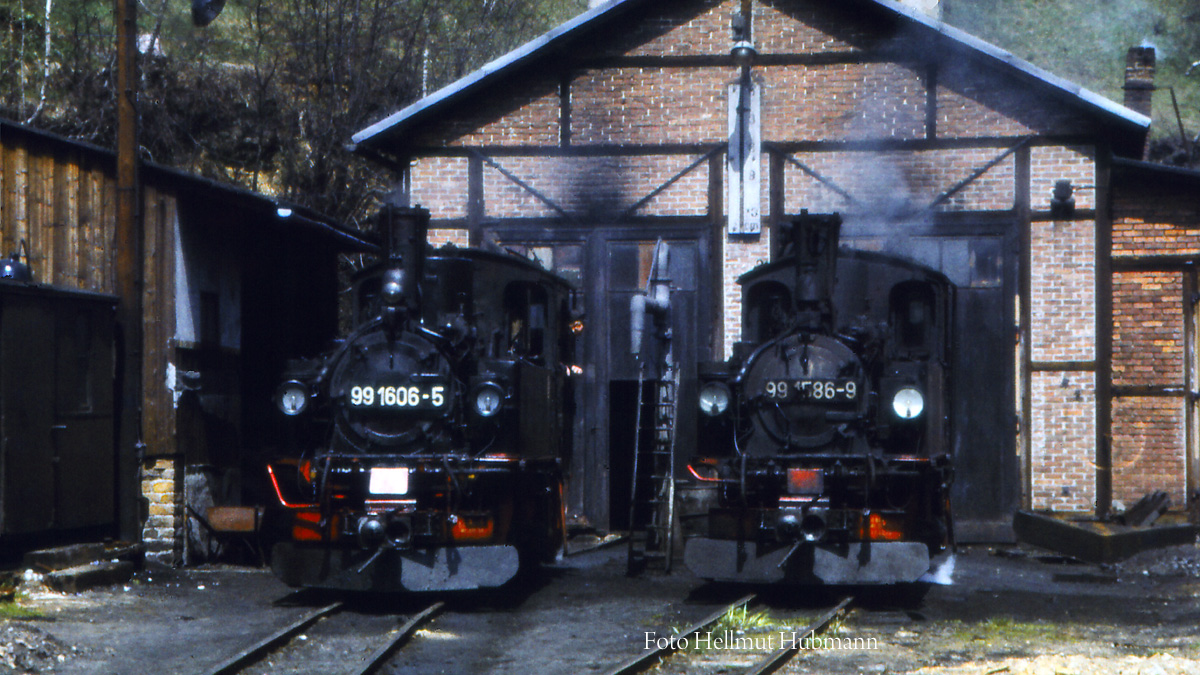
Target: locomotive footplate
{"x": 875, "y": 562}
{"x": 446, "y": 568}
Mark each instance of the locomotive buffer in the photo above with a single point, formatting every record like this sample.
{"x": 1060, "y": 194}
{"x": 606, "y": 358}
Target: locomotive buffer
{"x": 653, "y": 541}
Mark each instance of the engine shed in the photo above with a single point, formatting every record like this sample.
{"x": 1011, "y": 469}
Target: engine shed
{"x": 703, "y": 123}
{"x": 235, "y": 283}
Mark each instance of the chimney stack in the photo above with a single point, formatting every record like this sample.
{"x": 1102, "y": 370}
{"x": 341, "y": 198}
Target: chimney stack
{"x": 1139, "y": 79}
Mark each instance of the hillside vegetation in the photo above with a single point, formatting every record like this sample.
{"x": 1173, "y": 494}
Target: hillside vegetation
{"x": 268, "y": 94}
{"x": 1085, "y": 41}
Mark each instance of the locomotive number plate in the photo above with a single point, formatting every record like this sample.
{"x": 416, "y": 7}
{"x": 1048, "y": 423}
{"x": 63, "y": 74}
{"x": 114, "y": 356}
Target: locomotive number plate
{"x": 812, "y": 390}
{"x": 422, "y": 396}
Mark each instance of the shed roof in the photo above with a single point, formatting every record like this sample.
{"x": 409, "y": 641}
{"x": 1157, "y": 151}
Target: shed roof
{"x": 388, "y": 135}
{"x": 270, "y": 209}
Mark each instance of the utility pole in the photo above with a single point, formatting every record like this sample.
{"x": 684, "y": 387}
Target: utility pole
{"x": 128, "y": 241}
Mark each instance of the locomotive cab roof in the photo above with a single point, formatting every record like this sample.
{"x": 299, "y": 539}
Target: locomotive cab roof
{"x": 844, "y": 252}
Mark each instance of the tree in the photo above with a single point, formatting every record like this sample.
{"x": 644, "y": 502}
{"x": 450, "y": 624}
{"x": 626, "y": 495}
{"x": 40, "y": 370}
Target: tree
{"x": 269, "y": 94}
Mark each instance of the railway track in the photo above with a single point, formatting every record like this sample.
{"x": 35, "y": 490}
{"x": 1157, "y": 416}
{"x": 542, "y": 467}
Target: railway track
{"x": 657, "y": 657}
{"x": 352, "y": 643}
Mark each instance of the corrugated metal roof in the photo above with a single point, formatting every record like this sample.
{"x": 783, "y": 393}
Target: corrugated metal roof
{"x": 378, "y": 134}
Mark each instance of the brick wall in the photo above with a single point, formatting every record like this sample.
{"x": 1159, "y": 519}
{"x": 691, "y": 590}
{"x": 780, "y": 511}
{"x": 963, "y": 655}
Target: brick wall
{"x": 441, "y": 237}
{"x": 160, "y": 488}
{"x": 740, "y": 256}
{"x": 1063, "y": 291}
{"x": 1148, "y": 354}
{"x": 440, "y": 185}
{"x": 1063, "y": 439}
{"x": 599, "y": 186}
{"x": 1148, "y": 330}
{"x": 843, "y": 101}
{"x": 1148, "y": 448}
{"x": 1156, "y": 219}
{"x": 1151, "y": 220}
{"x": 650, "y": 105}
{"x": 885, "y": 183}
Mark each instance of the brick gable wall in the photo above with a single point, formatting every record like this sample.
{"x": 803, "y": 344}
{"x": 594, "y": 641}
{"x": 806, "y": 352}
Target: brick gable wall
{"x": 822, "y": 112}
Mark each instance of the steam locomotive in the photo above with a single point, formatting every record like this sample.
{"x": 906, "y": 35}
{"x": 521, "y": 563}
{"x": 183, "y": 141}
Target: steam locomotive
{"x": 429, "y": 444}
{"x": 824, "y": 442}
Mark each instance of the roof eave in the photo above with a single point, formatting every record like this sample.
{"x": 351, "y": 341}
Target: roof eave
{"x": 371, "y": 138}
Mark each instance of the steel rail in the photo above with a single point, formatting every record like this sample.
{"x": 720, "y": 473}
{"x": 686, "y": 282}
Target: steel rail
{"x": 640, "y": 663}
{"x": 785, "y": 654}
{"x": 256, "y": 652}
{"x": 382, "y": 654}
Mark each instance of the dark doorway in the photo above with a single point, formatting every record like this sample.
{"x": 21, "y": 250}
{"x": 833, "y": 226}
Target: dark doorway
{"x": 610, "y": 265}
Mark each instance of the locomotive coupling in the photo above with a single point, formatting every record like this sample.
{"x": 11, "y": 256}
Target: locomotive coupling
{"x": 377, "y": 530}
{"x": 809, "y": 525}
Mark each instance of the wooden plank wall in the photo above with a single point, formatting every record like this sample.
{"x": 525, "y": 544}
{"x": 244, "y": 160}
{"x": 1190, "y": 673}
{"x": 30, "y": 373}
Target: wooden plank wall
{"x": 158, "y": 329}
{"x": 60, "y": 203}
{"x": 61, "y": 200}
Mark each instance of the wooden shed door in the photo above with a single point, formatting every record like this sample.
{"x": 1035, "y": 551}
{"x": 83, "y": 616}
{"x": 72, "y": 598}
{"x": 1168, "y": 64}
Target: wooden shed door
{"x": 609, "y": 265}
{"x": 987, "y": 479}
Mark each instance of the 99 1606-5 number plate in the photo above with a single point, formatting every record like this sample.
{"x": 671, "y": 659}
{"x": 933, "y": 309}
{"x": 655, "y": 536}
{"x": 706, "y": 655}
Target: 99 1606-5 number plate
{"x": 812, "y": 390}
{"x": 419, "y": 396}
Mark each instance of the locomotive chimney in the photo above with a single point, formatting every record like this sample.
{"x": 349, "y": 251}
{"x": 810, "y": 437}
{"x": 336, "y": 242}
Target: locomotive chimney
{"x": 814, "y": 245}
{"x": 404, "y": 230}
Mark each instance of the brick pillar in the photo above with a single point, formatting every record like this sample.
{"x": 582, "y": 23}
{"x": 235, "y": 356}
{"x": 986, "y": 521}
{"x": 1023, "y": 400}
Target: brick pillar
{"x": 164, "y": 521}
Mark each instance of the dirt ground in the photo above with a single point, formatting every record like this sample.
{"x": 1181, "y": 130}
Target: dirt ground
{"x": 1011, "y": 610}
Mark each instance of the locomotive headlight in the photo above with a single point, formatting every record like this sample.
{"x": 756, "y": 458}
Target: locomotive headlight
{"x": 714, "y": 399}
{"x": 908, "y": 403}
{"x": 393, "y": 286}
{"x": 487, "y": 399}
{"x": 292, "y": 397}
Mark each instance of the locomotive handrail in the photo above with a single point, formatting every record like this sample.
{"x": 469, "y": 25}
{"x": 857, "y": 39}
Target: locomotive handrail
{"x": 279, "y": 492}
{"x": 697, "y": 476}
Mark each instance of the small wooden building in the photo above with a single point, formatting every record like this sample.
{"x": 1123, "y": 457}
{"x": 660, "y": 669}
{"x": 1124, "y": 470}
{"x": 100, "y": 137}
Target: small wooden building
{"x": 232, "y": 289}
{"x": 705, "y": 122}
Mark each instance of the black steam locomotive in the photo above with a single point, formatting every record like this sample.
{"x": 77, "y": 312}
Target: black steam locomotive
{"x": 823, "y": 453}
{"x": 429, "y": 443}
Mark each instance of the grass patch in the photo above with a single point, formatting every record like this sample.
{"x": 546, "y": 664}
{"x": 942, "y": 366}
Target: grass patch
{"x": 1005, "y": 629}
{"x": 10, "y": 609}
{"x": 740, "y": 619}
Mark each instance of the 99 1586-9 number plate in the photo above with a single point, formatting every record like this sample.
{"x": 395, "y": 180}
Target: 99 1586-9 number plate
{"x": 812, "y": 390}
{"x": 424, "y": 396}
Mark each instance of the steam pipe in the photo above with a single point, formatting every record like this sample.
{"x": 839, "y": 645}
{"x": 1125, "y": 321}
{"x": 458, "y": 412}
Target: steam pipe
{"x": 656, "y": 300}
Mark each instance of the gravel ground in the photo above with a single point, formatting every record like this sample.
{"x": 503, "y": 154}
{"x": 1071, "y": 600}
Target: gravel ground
{"x": 1011, "y": 611}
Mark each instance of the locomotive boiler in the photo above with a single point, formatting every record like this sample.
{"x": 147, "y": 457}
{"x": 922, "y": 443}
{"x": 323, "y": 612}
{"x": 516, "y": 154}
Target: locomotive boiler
{"x": 824, "y": 442}
{"x": 428, "y": 445}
